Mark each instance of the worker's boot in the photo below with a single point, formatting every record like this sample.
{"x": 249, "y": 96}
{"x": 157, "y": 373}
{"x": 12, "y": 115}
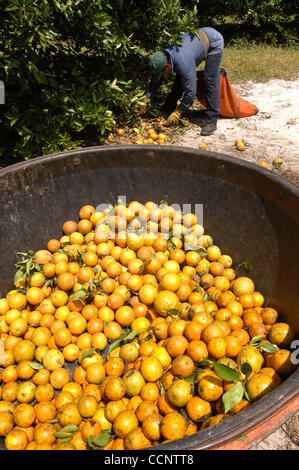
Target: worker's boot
{"x": 208, "y": 128}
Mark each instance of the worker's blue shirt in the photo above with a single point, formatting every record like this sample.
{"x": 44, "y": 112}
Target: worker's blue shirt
{"x": 186, "y": 55}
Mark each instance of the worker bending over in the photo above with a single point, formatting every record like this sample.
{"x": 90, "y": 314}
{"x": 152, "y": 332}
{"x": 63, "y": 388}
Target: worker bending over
{"x": 182, "y": 59}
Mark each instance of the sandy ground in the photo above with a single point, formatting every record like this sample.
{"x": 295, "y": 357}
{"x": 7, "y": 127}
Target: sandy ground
{"x": 272, "y": 132}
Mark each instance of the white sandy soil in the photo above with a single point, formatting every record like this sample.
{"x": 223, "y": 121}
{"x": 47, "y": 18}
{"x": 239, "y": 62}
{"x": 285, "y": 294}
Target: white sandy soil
{"x": 272, "y": 132}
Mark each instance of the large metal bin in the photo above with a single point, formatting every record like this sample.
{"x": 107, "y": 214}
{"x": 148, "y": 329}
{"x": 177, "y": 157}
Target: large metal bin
{"x": 251, "y": 213}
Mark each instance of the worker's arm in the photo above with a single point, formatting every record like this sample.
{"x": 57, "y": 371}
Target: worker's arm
{"x": 153, "y": 88}
{"x": 188, "y": 81}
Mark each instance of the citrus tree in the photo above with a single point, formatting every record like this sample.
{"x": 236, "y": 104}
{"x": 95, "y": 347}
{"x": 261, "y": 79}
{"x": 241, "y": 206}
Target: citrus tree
{"x": 71, "y": 67}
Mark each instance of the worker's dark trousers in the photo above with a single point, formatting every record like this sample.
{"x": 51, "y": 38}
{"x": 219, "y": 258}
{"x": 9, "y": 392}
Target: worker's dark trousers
{"x": 212, "y": 81}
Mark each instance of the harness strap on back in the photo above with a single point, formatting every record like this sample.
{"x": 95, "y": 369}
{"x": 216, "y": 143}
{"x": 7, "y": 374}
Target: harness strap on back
{"x": 202, "y": 35}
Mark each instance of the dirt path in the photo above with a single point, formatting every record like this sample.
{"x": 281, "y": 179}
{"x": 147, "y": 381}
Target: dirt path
{"x": 273, "y": 131}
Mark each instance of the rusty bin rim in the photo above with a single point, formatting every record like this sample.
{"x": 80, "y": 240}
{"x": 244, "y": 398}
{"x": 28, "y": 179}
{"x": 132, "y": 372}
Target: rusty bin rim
{"x": 124, "y": 150}
{"x": 149, "y": 148}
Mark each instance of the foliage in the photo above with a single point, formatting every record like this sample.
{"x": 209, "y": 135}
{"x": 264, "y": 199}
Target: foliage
{"x": 271, "y": 21}
{"x": 70, "y": 68}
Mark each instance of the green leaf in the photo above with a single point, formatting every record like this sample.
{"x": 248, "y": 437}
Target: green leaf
{"x": 62, "y": 435}
{"x": 28, "y": 266}
{"x": 36, "y": 365}
{"x": 87, "y": 353}
{"x": 203, "y": 271}
{"x": 191, "y": 377}
{"x": 207, "y": 362}
{"x": 102, "y": 439}
{"x": 60, "y": 250}
{"x": 49, "y": 282}
{"x": 70, "y": 428}
{"x": 268, "y": 347}
{"x": 18, "y": 274}
{"x": 246, "y": 395}
{"x": 65, "y": 439}
{"x": 144, "y": 265}
{"x": 171, "y": 245}
{"x": 114, "y": 345}
{"x": 199, "y": 250}
{"x": 256, "y": 340}
{"x": 207, "y": 297}
{"x": 173, "y": 311}
{"x": 226, "y": 373}
{"x": 198, "y": 289}
{"x": 131, "y": 335}
{"x": 162, "y": 389}
{"x": 80, "y": 294}
{"x": 245, "y": 264}
{"x": 21, "y": 289}
{"x": 246, "y": 369}
{"x": 242, "y": 438}
{"x": 125, "y": 336}
{"x": 170, "y": 234}
{"x": 163, "y": 203}
{"x": 78, "y": 399}
{"x": 90, "y": 442}
{"x": 233, "y": 396}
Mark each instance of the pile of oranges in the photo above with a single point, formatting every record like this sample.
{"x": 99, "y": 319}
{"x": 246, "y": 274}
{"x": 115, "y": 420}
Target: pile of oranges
{"x": 131, "y": 330}
{"x": 153, "y": 137}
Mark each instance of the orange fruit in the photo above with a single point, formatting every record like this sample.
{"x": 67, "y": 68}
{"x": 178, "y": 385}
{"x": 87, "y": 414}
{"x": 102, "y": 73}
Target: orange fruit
{"x": 6, "y": 423}
{"x": 124, "y": 423}
{"x": 210, "y": 387}
{"x": 173, "y": 426}
{"x": 69, "y": 414}
{"x": 198, "y": 409}
{"x": 197, "y": 351}
{"x": 59, "y": 377}
{"x": 217, "y": 347}
{"x": 136, "y": 439}
{"x": 87, "y": 406}
{"x": 182, "y": 366}
{"x": 16, "y": 440}
{"x": 90, "y": 428}
{"x": 115, "y": 388}
{"x": 176, "y": 345}
{"x": 44, "y": 392}
{"x": 166, "y": 301}
{"x": 45, "y": 411}
{"x": 151, "y": 369}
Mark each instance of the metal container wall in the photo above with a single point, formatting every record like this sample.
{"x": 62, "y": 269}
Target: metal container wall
{"x": 251, "y": 213}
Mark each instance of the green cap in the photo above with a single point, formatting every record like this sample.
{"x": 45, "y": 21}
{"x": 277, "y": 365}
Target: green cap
{"x": 157, "y": 63}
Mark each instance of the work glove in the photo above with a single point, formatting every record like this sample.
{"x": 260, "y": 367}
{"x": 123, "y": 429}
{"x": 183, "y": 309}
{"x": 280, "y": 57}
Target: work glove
{"x": 174, "y": 118}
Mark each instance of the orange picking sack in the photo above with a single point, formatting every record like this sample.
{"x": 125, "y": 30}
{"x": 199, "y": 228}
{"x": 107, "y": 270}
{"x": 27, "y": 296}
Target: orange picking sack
{"x": 231, "y": 105}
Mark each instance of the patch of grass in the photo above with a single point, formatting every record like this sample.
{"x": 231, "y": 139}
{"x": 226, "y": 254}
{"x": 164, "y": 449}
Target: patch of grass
{"x": 260, "y": 63}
